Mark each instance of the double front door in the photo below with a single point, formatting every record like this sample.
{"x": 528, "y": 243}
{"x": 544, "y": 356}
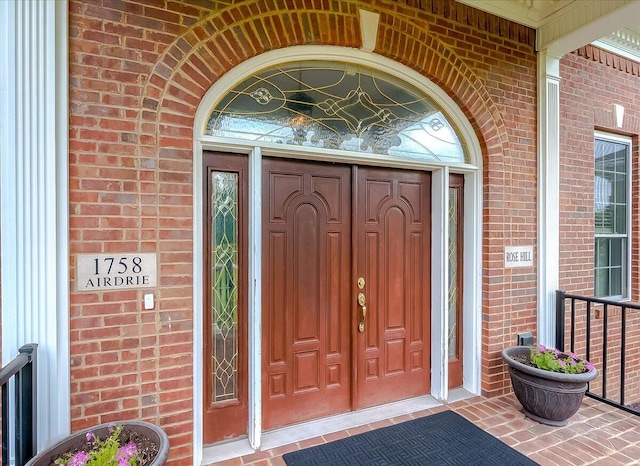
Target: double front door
{"x": 346, "y": 288}
{"x": 346, "y": 295}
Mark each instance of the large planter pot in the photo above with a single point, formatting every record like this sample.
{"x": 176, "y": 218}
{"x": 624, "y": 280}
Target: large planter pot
{"x": 77, "y": 439}
{"x": 547, "y": 397}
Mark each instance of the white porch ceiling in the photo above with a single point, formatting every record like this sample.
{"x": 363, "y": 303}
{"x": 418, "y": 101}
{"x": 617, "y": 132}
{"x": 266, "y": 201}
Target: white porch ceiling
{"x": 532, "y": 13}
{"x": 566, "y": 25}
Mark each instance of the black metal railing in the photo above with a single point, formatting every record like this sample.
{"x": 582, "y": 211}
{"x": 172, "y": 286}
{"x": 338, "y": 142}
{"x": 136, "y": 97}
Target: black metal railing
{"x": 604, "y": 332}
{"x": 23, "y": 371}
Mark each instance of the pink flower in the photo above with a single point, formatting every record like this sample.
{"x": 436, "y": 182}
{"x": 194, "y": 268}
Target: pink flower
{"x": 90, "y": 436}
{"x": 590, "y": 366}
{"x": 79, "y": 459}
{"x": 562, "y": 363}
{"x": 557, "y": 352}
{"x": 542, "y": 348}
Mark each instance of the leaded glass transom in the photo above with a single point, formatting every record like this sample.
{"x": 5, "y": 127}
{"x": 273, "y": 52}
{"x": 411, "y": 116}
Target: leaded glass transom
{"x": 336, "y": 105}
{"x": 224, "y": 289}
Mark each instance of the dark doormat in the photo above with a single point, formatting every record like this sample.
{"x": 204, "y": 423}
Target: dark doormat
{"x": 445, "y": 438}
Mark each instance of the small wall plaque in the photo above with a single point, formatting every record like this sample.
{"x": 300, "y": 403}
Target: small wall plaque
{"x": 518, "y": 256}
{"x": 106, "y": 272}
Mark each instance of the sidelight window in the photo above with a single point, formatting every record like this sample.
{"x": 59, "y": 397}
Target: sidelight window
{"x": 224, "y": 285}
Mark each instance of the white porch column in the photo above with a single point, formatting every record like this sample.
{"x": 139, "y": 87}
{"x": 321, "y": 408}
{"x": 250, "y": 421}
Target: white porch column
{"x": 34, "y": 192}
{"x": 548, "y": 193}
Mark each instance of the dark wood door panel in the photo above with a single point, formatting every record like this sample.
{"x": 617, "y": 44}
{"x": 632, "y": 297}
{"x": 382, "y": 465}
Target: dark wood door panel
{"x": 306, "y": 307}
{"x": 393, "y": 239}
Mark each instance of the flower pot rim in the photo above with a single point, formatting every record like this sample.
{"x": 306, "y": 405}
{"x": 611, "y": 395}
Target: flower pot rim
{"x": 163, "y": 445}
{"x": 507, "y": 354}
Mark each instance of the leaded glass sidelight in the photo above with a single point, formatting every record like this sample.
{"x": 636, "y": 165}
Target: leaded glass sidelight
{"x": 224, "y": 285}
{"x": 454, "y": 206}
{"x": 336, "y": 105}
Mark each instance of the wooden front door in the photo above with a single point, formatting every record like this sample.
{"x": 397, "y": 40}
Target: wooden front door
{"x": 393, "y": 257}
{"x": 306, "y": 306}
{"x": 324, "y": 227}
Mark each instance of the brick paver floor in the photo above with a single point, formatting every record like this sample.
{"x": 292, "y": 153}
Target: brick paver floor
{"x": 598, "y": 434}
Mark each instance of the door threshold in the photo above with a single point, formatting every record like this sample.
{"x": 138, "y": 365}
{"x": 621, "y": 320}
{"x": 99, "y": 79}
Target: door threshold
{"x": 311, "y": 429}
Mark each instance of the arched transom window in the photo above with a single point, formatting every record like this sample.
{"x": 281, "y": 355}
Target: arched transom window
{"x": 335, "y": 105}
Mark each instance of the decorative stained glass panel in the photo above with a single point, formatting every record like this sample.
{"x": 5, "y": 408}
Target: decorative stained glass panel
{"x": 453, "y": 272}
{"x": 336, "y": 105}
{"x": 224, "y": 286}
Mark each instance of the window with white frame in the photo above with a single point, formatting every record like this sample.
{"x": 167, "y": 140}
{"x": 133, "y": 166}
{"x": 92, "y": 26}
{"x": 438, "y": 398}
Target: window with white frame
{"x": 612, "y": 196}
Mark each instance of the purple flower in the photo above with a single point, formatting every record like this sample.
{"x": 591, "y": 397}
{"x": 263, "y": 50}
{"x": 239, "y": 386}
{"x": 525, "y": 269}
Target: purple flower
{"x": 573, "y": 355}
{"x": 90, "y": 436}
{"x": 79, "y": 459}
{"x": 130, "y": 449}
{"x": 542, "y": 348}
{"x": 125, "y": 453}
{"x": 557, "y": 352}
{"x": 562, "y": 363}
{"x": 590, "y": 366}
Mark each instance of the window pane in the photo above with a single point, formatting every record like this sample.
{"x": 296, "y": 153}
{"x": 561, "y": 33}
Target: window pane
{"x": 337, "y": 105}
{"x": 602, "y": 282}
{"x": 602, "y": 252}
{"x": 615, "y": 283}
{"x": 621, "y": 219}
{"x": 621, "y": 188}
{"x": 615, "y": 259}
{"x": 602, "y": 196}
{"x": 224, "y": 286}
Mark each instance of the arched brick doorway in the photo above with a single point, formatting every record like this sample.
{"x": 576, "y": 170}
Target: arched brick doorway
{"x": 295, "y": 387}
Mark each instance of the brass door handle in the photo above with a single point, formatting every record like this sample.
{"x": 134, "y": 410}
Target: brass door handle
{"x": 362, "y": 301}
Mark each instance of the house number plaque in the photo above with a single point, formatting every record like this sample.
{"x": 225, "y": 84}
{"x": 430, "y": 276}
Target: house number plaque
{"x": 105, "y": 272}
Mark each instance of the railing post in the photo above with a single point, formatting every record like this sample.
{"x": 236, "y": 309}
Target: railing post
{"x": 26, "y": 404}
{"x": 560, "y": 305}
{"x": 5, "y": 424}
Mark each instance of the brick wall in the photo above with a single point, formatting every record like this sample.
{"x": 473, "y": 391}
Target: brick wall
{"x": 138, "y": 70}
{"x": 592, "y": 81}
